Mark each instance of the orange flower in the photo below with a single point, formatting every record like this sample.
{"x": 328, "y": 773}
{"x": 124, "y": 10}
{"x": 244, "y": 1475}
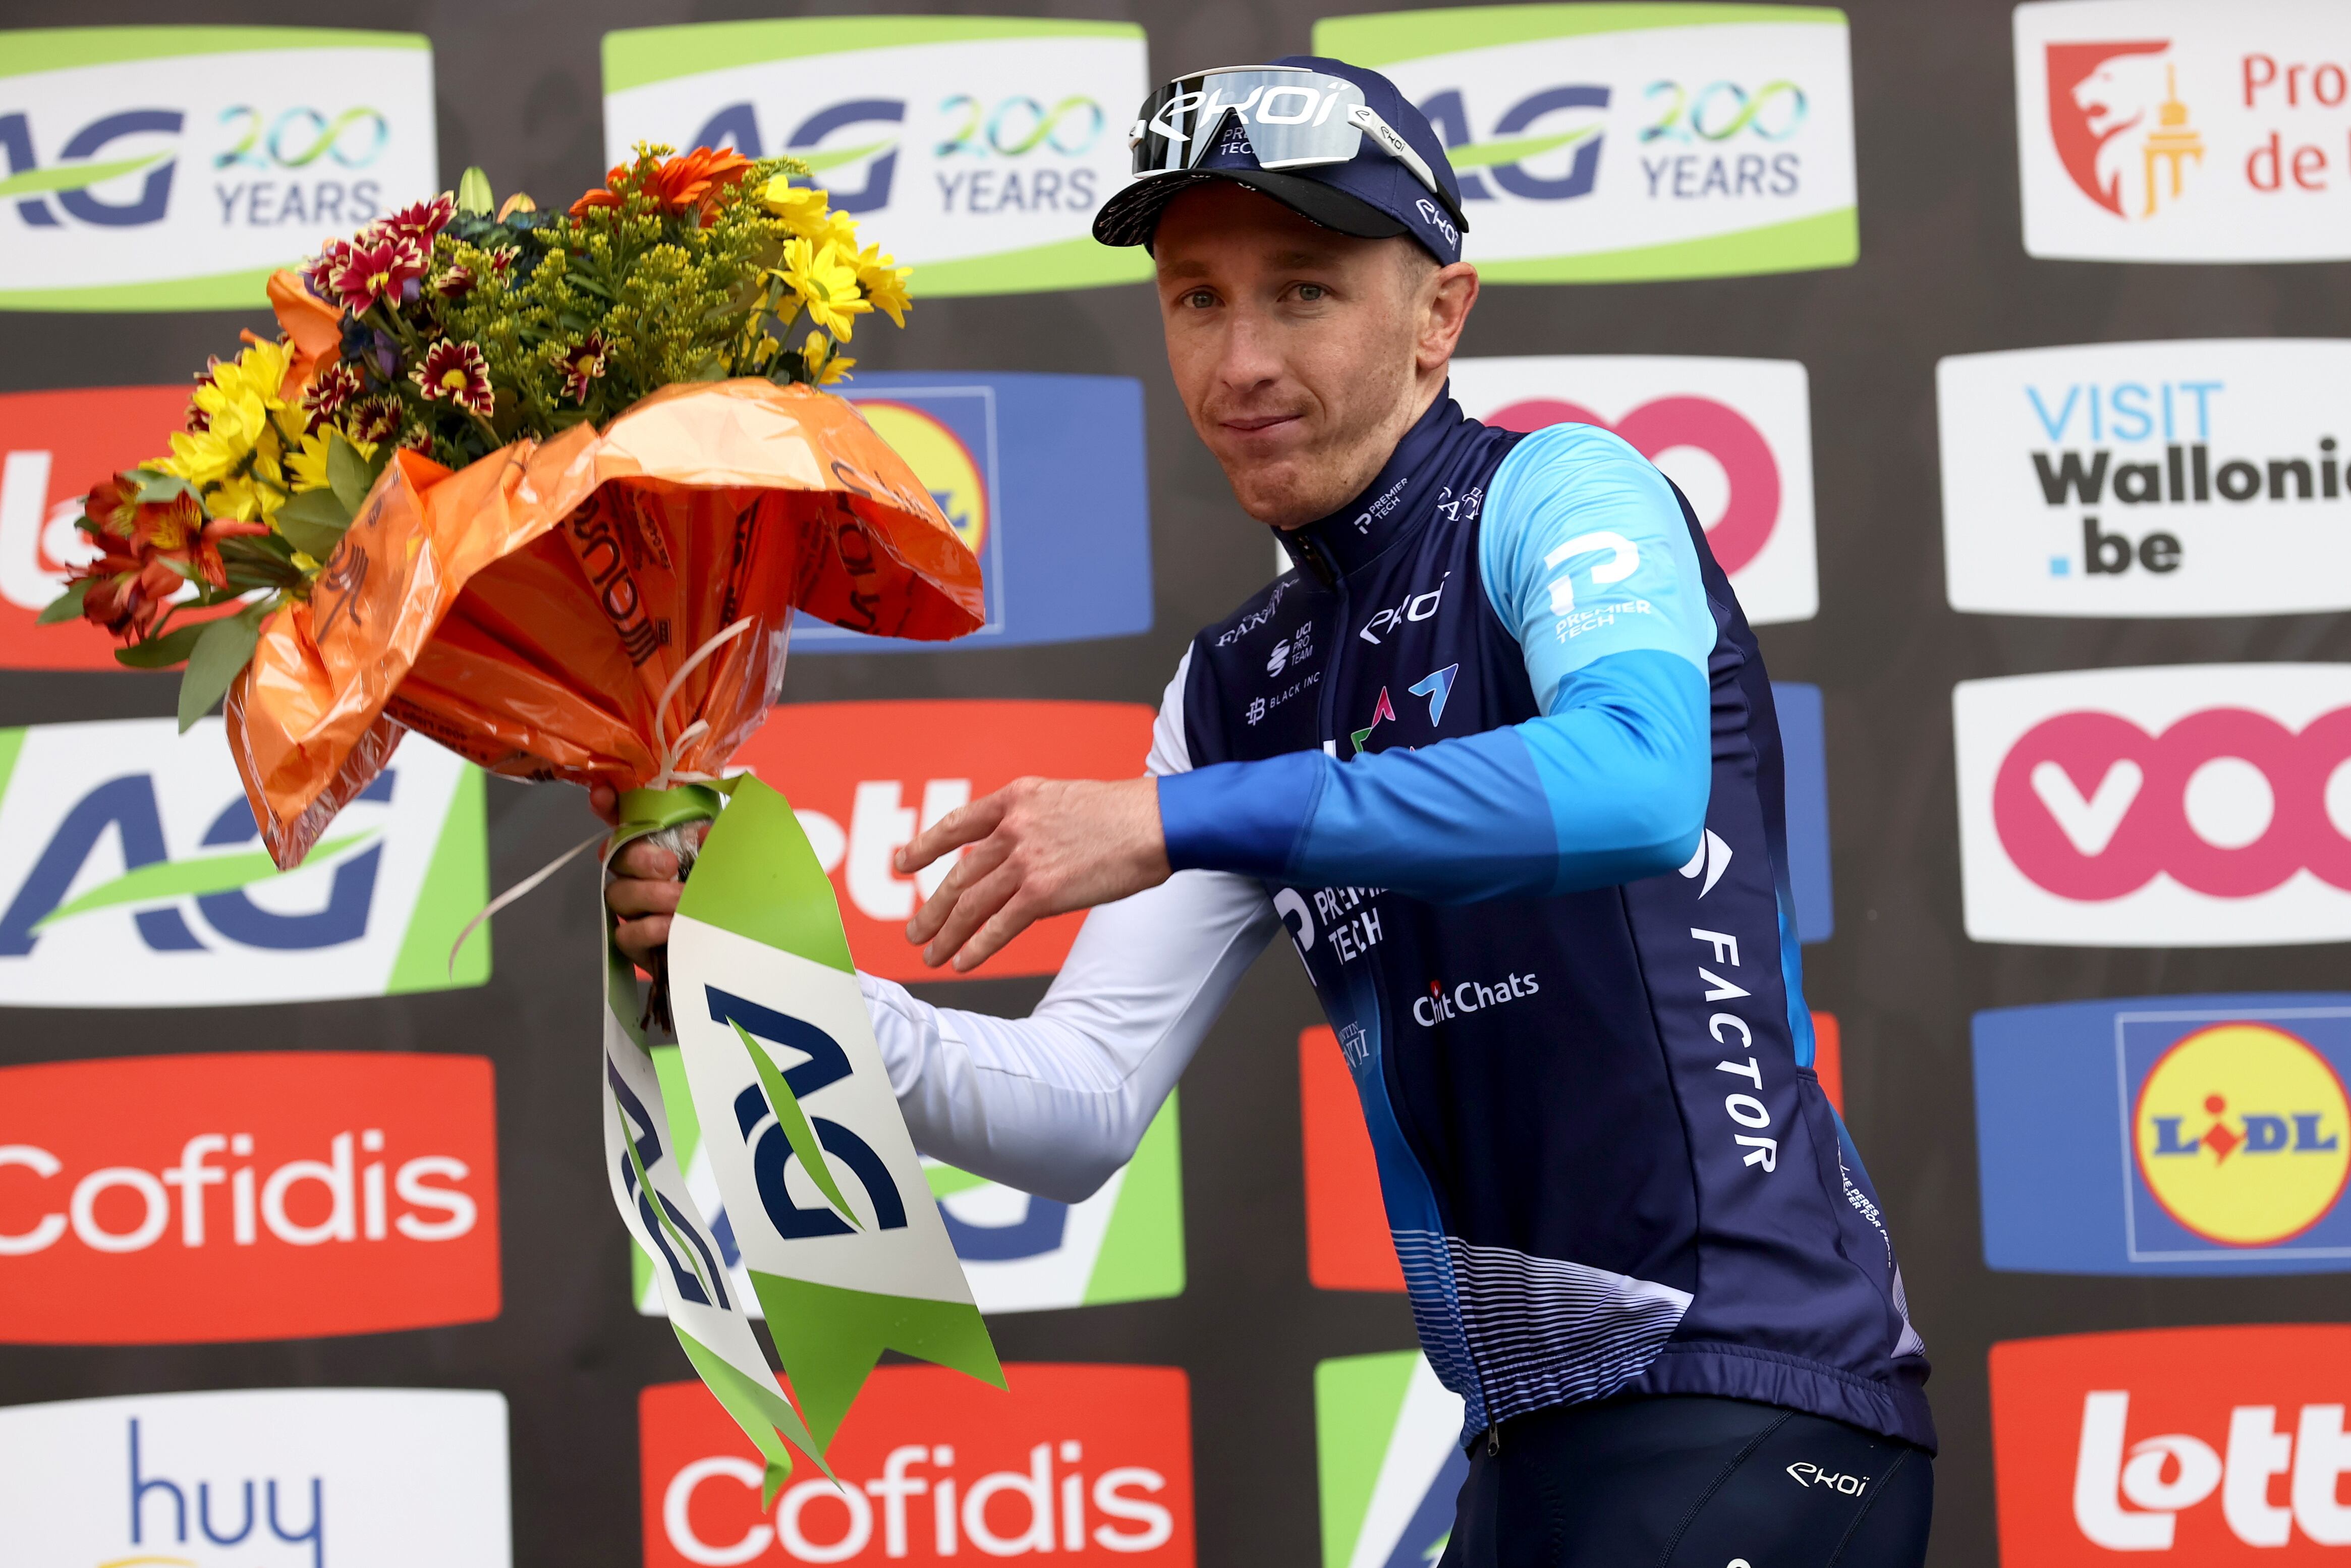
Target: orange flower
{"x": 695, "y": 179}
{"x": 313, "y": 326}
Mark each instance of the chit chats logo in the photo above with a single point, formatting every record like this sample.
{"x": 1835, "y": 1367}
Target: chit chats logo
{"x": 866, "y": 778}
{"x": 273, "y": 1194}
{"x": 2222, "y": 1445}
{"x": 2140, "y": 804}
{"x": 1091, "y": 1462}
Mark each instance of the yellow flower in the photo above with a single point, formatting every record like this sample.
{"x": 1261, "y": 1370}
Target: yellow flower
{"x": 885, "y": 282}
{"x": 308, "y": 463}
{"x": 823, "y": 363}
{"x": 839, "y": 232}
{"x": 801, "y": 208}
{"x": 233, "y": 457}
{"x": 826, "y": 285}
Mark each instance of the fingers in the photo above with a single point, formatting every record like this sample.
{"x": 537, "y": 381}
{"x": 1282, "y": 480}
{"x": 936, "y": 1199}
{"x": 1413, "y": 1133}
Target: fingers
{"x": 629, "y": 897}
{"x": 976, "y": 863}
{"x": 643, "y": 859}
{"x": 964, "y": 825}
{"x": 1014, "y": 918}
{"x": 984, "y": 898}
{"x": 641, "y": 939}
{"x": 605, "y": 801}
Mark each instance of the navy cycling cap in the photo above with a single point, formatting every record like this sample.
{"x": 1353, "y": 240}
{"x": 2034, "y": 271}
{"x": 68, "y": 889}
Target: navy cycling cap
{"x": 1335, "y": 142}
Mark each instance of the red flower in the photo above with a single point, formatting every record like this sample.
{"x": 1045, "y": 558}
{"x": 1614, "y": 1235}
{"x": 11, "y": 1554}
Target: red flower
{"x": 126, "y": 597}
{"x": 695, "y": 179}
{"x": 177, "y": 529}
{"x": 319, "y": 271}
{"x": 374, "y": 419}
{"x": 419, "y": 222}
{"x": 113, "y": 504}
{"x": 417, "y": 439}
{"x": 581, "y": 364}
{"x": 453, "y": 283}
{"x": 458, "y": 372}
{"x": 380, "y": 269}
{"x": 334, "y": 387}
{"x": 133, "y": 581}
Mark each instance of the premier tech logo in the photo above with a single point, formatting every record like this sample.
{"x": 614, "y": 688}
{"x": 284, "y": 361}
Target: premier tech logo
{"x": 2174, "y": 131}
{"x": 2177, "y": 478}
{"x": 975, "y": 148}
{"x": 1020, "y": 1252}
{"x": 279, "y": 1195}
{"x": 1002, "y": 454}
{"x": 1609, "y": 143}
{"x": 131, "y": 874}
{"x": 266, "y": 1478}
{"x": 2192, "y": 806}
{"x": 173, "y": 168}
{"x": 1093, "y": 1463}
{"x": 1388, "y": 1451}
{"x": 2166, "y": 1135}
{"x": 2210, "y": 1446}
{"x": 1735, "y": 434}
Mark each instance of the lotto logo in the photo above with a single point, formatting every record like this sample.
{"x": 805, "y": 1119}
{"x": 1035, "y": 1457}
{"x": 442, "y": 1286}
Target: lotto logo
{"x": 2217, "y": 1444}
{"x": 2196, "y": 806}
{"x": 278, "y": 1194}
{"x": 1091, "y": 1462}
{"x": 866, "y": 777}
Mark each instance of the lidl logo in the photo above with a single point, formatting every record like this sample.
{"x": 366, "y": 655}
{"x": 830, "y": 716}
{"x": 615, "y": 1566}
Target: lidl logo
{"x": 2210, "y": 1446}
{"x": 263, "y": 1477}
{"x": 975, "y": 148}
{"x": 1093, "y": 1463}
{"x": 1599, "y": 144}
{"x": 2192, "y": 478}
{"x": 2181, "y": 807}
{"x": 174, "y": 168}
{"x": 2166, "y": 1135}
{"x": 1020, "y": 1252}
{"x": 54, "y": 446}
{"x": 1002, "y": 455}
{"x": 1735, "y": 434}
{"x": 279, "y": 1195}
{"x": 131, "y": 874}
{"x": 2171, "y": 131}
{"x": 866, "y": 777}
{"x": 1388, "y": 1456}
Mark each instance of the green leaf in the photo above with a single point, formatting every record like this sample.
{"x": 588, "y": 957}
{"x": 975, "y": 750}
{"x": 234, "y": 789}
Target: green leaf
{"x": 473, "y": 193}
{"x": 156, "y": 487}
{"x": 66, "y": 605}
{"x": 313, "y": 522}
{"x": 159, "y": 652}
{"x": 346, "y": 472}
{"x": 223, "y": 648}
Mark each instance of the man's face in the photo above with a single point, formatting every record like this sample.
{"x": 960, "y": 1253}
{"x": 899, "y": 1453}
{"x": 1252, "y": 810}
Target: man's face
{"x": 1296, "y": 351}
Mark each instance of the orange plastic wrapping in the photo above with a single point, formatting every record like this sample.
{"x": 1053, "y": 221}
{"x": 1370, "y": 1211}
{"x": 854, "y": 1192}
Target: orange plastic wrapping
{"x": 528, "y": 611}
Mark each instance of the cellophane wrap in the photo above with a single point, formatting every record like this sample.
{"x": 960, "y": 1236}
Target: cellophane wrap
{"x": 528, "y": 611}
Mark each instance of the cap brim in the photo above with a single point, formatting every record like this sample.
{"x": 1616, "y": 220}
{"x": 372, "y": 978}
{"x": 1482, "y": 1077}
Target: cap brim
{"x": 1132, "y": 216}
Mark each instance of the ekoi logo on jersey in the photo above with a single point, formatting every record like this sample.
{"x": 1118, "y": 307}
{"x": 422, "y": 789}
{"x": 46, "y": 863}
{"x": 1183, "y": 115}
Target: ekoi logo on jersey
{"x": 1093, "y": 1463}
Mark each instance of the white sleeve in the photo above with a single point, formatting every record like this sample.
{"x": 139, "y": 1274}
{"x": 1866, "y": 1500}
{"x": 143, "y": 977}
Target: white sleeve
{"x": 1055, "y": 1103}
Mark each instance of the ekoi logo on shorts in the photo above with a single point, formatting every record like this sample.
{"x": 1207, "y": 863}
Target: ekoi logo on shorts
{"x": 1093, "y": 1463}
{"x": 265, "y": 1195}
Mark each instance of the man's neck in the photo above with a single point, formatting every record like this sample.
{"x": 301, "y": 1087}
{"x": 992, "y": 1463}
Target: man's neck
{"x": 1374, "y": 454}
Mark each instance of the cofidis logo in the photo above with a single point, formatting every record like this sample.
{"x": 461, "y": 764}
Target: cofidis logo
{"x": 2210, "y": 1445}
{"x": 866, "y": 777}
{"x": 2170, "y": 130}
{"x": 173, "y": 168}
{"x": 2166, "y": 1134}
{"x": 54, "y": 446}
{"x": 1002, "y": 455}
{"x": 1091, "y": 1462}
{"x": 2182, "y": 478}
{"x": 269, "y": 1477}
{"x": 1020, "y": 1252}
{"x": 977, "y": 147}
{"x": 1606, "y": 143}
{"x": 280, "y": 1195}
{"x": 1735, "y": 434}
{"x": 1388, "y": 1453}
{"x": 131, "y": 874}
{"x": 2191, "y": 806}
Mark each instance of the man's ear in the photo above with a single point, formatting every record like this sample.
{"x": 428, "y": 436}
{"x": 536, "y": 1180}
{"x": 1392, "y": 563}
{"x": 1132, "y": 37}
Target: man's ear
{"x": 1446, "y": 296}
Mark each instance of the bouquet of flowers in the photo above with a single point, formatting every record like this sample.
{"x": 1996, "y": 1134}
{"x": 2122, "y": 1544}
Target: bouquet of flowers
{"x": 548, "y": 487}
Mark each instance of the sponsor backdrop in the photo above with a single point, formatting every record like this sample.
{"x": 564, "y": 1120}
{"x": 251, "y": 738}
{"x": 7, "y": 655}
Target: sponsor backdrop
{"x": 2031, "y": 467}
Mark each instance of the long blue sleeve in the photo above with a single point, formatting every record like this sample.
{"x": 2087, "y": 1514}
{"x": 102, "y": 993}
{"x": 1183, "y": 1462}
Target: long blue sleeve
{"x": 1587, "y": 561}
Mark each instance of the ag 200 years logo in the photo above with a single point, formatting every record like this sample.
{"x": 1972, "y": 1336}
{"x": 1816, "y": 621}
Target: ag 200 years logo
{"x": 1599, "y": 143}
{"x": 172, "y": 169}
{"x": 975, "y": 148}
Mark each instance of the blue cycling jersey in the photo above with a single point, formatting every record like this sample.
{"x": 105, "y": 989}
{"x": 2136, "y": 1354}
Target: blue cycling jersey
{"x": 1502, "y": 749}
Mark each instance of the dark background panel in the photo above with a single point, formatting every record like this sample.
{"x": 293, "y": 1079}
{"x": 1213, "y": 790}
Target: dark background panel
{"x": 1942, "y": 271}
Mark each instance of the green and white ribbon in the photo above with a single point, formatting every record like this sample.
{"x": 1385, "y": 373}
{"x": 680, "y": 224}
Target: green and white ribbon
{"x": 827, "y": 1199}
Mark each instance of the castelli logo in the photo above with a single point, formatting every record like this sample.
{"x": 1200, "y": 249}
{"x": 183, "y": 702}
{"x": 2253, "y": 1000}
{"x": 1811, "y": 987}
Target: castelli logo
{"x": 2132, "y": 806}
{"x": 280, "y": 1195}
{"x": 1090, "y": 1462}
{"x": 2216, "y": 1445}
{"x": 1735, "y": 434}
{"x": 866, "y": 777}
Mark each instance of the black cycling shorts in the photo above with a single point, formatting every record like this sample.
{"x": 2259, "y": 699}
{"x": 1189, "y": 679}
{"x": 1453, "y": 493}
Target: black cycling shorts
{"x": 1681, "y": 1482}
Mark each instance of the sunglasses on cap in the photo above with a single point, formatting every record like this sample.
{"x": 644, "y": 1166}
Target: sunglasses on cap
{"x": 1294, "y": 118}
